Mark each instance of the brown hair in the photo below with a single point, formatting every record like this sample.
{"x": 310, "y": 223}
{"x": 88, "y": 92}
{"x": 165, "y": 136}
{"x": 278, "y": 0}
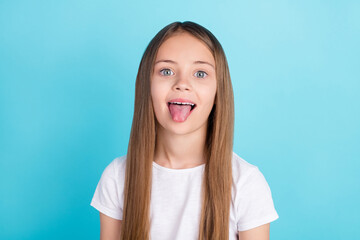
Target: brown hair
{"x": 216, "y": 186}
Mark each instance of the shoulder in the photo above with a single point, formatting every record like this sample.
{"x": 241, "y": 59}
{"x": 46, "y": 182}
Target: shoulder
{"x": 253, "y": 204}
{"x": 116, "y": 167}
{"x": 119, "y": 162}
{"x": 246, "y": 176}
{"x": 241, "y": 169}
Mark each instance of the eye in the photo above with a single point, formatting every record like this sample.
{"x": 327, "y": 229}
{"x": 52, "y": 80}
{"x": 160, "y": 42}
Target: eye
{"x": 200, "y": 74}
{"x": 166, "y": 72}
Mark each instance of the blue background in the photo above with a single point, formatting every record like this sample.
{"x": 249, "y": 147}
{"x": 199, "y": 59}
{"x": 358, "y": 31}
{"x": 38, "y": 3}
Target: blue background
{"x": 67, "y": 83}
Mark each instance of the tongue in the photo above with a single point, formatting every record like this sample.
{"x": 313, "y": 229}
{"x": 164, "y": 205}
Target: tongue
{"x": 179, "y": 113}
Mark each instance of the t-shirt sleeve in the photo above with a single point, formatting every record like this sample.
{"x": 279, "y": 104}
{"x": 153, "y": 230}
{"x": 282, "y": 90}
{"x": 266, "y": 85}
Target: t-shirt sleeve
{"x": 255, "y": 203}
{"x": 106, "y": 197}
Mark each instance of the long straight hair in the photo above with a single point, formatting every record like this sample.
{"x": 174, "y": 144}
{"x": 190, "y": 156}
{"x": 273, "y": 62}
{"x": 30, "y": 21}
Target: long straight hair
{"x": 217, "y": 178}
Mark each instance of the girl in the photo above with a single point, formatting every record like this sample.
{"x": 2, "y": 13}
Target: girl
{"x": 180, "y": 178}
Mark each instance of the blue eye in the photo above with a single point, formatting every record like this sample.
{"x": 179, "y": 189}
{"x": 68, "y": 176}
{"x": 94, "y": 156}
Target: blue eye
{"x": 166, "y": 72}
{"x": 200, "y": 74}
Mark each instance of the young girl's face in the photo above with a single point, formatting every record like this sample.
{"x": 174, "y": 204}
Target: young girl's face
{"x": 184, "y": 72}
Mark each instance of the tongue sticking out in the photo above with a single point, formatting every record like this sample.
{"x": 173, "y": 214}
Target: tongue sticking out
{"x": 179, "y": 113}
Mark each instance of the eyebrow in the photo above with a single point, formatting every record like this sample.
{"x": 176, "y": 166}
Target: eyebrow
{"x": 196, "y": 62}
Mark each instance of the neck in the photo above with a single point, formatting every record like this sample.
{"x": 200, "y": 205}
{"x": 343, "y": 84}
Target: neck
{"x": 180, "y": 151}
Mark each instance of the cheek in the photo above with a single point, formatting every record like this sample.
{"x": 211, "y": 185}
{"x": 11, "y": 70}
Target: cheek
{"x": 154, "y": 90}
{"x": 208, "y": 93}
{"x": 157, "y": 88}
{"x": 158, "y": 96}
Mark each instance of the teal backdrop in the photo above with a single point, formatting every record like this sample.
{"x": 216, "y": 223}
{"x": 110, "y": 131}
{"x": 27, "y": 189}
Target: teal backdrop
{"x": 67, "y": 83}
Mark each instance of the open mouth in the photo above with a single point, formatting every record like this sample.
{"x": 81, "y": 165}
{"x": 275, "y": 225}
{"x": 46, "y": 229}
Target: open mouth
{"x": 192, "y": 105}
{"x": 180, "y": 111}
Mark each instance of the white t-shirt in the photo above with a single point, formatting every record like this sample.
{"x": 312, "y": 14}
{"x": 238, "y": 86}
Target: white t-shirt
{"x": 175, "y": 205}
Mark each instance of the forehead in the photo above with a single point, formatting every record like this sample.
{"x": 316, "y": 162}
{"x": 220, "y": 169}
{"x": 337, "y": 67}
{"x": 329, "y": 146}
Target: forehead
{"x": 184, "y": 46}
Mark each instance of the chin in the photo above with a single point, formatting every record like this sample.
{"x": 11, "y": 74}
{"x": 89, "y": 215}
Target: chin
{"x": 181, "y": 128}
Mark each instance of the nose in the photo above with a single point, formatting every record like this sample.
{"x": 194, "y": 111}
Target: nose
{"x": 182, "y": 84}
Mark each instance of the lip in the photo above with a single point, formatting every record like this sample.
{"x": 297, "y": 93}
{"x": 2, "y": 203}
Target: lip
{"x": 182, "y": 100}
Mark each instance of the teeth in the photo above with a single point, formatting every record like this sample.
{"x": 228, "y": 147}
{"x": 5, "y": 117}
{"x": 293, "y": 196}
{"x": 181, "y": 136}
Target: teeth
{"x": 183, "y": 103}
